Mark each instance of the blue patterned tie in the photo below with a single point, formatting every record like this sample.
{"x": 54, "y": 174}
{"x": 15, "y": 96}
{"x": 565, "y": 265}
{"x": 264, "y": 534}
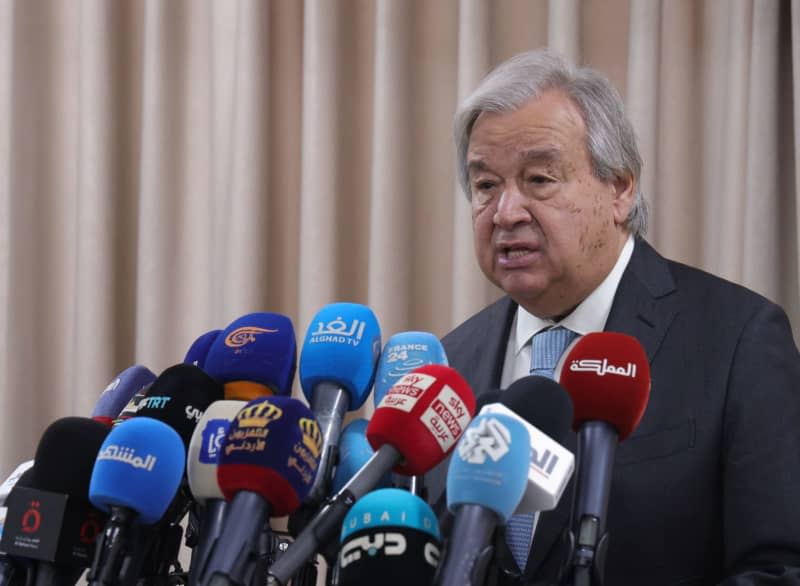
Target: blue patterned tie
{"x": 547, "y": 347}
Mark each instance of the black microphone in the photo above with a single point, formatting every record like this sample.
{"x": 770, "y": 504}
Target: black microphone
{"x": 50, "y": 520}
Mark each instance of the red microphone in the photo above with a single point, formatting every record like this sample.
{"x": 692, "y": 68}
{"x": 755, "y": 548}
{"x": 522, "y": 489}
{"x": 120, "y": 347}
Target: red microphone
{"x": 608, "y": 377}
{"x": 416, "y": 425}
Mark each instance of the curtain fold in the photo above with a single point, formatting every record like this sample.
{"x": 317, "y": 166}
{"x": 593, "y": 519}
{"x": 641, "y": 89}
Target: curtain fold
{"x": 168, "y": 166}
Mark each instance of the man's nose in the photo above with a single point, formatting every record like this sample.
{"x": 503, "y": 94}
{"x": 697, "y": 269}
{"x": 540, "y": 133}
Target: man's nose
{"x": 511, "y": 208}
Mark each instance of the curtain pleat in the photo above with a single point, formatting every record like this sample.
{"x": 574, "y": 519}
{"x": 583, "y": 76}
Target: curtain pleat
{"x": 168, "y": 166}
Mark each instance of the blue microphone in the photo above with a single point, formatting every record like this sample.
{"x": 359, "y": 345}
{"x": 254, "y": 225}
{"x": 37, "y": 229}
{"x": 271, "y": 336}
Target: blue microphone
{"x": 337, "y": 369}
{"x": 403, "y": 353}
{"x": 254, "y": 356}
{"x": 198, "y": 351}
{"x": 266, "y": 466}
{"x": 120, "y": 391}
{"x": 389, "y": 533}
{"x": 136, "y": 475}
{"x": 486, "y": 480}
{"x": 354, "y": 453}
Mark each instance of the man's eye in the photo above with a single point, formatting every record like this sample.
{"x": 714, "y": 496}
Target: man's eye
{"x": 484, "y": 185}
{"x": 538, "y": 179}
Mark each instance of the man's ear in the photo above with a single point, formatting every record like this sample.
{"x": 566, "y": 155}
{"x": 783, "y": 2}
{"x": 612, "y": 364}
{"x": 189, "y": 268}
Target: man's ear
{"x": 624, "y": 189}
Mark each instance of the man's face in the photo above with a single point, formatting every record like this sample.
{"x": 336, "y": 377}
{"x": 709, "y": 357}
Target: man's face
{"x": 547, "y": 231}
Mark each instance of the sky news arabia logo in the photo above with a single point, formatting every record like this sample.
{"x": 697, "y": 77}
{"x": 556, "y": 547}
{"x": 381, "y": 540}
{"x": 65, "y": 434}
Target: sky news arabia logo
{"x": 245, "y": 335}
{"x": 337, "y": 331}
{"x": 486, "y": 438}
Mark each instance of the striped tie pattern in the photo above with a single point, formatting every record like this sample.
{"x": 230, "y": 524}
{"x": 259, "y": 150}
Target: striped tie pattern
{"x": 547, "y": 347}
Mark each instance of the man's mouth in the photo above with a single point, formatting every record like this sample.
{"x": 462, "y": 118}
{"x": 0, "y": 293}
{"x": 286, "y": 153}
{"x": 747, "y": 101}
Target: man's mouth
{"x": 512, "y": 253}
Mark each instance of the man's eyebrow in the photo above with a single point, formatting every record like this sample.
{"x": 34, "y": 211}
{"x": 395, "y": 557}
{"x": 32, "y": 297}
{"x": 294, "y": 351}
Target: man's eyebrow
{"x": 544, "y": 155}
{"x": 477, "y": 165}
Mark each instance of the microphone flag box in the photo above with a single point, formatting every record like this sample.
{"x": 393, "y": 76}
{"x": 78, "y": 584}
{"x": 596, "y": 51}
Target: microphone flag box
{"x": 550, "y": 469}
{"x": 51, "y": 527}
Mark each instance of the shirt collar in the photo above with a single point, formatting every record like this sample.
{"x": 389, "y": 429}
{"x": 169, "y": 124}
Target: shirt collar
{"x": 590, "y": 315}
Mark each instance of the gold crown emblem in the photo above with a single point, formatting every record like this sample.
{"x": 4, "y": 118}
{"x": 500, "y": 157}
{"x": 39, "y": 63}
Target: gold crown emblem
{"x": 312, "y": 436}
{"x": 244, "y": 335}
{"x": 259, "y": 415}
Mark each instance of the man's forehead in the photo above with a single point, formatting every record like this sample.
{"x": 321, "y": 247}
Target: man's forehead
{"x": 477, "y": 160}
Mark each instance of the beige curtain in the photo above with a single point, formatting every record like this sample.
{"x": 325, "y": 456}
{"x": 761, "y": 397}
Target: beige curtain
{"x": 167, "y": 165}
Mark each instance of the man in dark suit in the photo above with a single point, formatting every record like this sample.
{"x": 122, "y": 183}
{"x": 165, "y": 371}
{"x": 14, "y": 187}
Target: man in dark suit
{"x": 706, "y": 489}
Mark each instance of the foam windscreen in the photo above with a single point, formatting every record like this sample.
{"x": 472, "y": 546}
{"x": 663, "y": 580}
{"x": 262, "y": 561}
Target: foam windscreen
{"x": 354, "y": 452}
{"x": 272, "y": 448}
{"x": 390, "y": 536}
{"x": 65, "y": 456}
{"x": 179, "y": 397}
{"x": 608, "y": 377}
{"x": 120, "y": 391}
{"x": 403, "y": 353}
{"x": 254, "y": 356}
{"x": 140, "y": 466}
{"x": 490, "y": 465}
{"x": 422, "y": 416}
{"x": 204, "y": 449}
{"x": 342, "y": 346}
{"x": 198, "y": 351}
{"x": 543, "y": 403}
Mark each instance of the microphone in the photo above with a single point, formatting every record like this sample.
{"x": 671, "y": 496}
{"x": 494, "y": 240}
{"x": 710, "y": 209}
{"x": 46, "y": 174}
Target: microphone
{"x": 178, "y": 397}
{"x": 416, "y": 426}
{"x": 135, "y": 478}
{"x": 545, "y": 408}
{"x": 120, "y": 391}
{"x": 389, "y": 533}
{"x": 196, "y": 355}
{"x": 337, "y": 369}
{"x": 49, "y": 518}
{"x": 254, "y": 356}
{"x": 12, "y": 480}
{"x": 354, "y": 453}
{"x": 403, "y": 353}
{"x": 201, "y": 471}
{"x": 608, "y": 377}
{"x": 486, "y": 480}
{"x": 266, "y": 468}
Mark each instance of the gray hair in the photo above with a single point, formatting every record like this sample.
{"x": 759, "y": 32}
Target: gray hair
{"x": 609, "y": 134}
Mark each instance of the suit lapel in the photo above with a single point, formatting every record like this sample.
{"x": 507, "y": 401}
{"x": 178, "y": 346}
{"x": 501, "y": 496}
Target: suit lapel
{"x": 643, "y": 307}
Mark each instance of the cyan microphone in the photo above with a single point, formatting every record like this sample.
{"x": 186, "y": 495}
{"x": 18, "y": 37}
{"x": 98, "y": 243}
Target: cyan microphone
{"x": 608, "y": 377}
{"x": 337, "y": 369}
{"x": 414, "y": 428}
{"x": 391, "y": 534}
{"x": 254, "y": 356}
{"x": 403, "y": 353}
{"x": 354, "y": 453}
{"x": 486, "y": 481}
{"x": 49, "y": 519}
{"x": 120, "y": 391}
{"x": 136, "y": 475}
{"x": 201, "y": 471}
{"x": 266, "y": 467}
{"x": 198, "y": 351}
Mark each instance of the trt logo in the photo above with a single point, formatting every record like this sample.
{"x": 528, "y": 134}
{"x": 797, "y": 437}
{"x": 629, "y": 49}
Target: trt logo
{"x": 391, "y": 543}
{"x": 485, "y": 438}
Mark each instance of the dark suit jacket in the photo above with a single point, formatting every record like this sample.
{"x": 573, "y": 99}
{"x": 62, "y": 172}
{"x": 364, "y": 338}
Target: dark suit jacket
{"x": 708, "y": 486}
